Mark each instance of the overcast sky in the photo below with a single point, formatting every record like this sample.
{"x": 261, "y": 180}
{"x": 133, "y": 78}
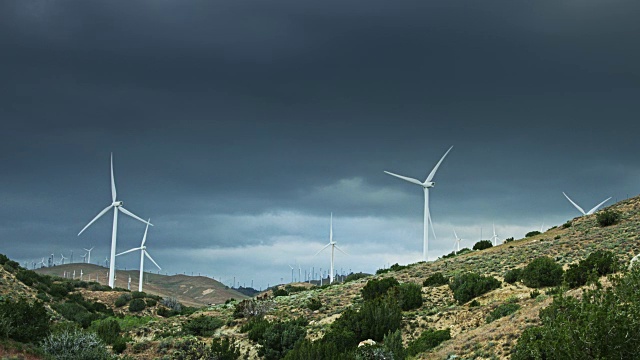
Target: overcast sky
{"x": 239, "y": 126}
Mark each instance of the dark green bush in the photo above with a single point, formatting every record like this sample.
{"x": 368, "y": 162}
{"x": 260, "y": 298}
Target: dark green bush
{"x": 202, "y": 326}
{"x": 436, "y": 279}
{"x": 374, "y": 320}
{"x": 119, "y": 346}
{"x": 317, "y": 350}
{"x": 75, "y": 312}
{"x": 603, "y": 324}
{"x": 576, "y": 275}
{"x": 470, "y": 285}
{"x": 376, "y": 288}
{"x": 24, "y": 321}
{"x": 122, "y": 300}
{"x": 482, "y": 244}
{"x": 542, "y": 272}
{"x": 108, "y": 330}
{"x": 602, "y": 261}
{"x": 512, "y": 276}
{"x": 502, "y": 310}
{"x": 509, "y": 239}
{"x": 137, "y": 305}
{"x": 314, "y": 304}
{"x": 138, "y": 294}
{"x": 280, "y": 292}
{"x": 567, "y": 224}
{"x": 355, "y": 276}
{"x": 429, "y": 339}
{"x": 608, "y": 217}
{"x": 532, "y": 233}
{"x": 279, "y": 338}
{"x": 394, "y": 267}
{"x": 151, "y": 302}
{"x": 409, "y": 296}
{"x": 393, "y": 343}
{"x": 223, "y": 349}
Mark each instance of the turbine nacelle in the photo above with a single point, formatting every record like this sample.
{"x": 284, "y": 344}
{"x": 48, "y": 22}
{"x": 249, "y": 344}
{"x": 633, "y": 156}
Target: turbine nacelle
{"x": 117, "y": 203}
{"x": 428, "y": 184}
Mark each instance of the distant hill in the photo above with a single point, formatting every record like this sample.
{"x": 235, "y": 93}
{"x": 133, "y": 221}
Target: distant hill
{"x": 189, "y": 290}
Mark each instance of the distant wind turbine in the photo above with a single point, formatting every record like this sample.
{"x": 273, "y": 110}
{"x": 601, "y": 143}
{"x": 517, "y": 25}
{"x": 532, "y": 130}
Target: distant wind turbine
{"x": 117, "y": 206}
{"x": 84, "y": 258}
{"x": 89, "y": 252}
{"x": 457, "y": 239}
{"x": 333, "y": 247}
{"x": 143, "y": 253}
{"x": 494, "y": 238}
{"x": 581, "y": 210}
{"x": 42, "y": 263}
{"x": 62, "y": 258}
{"x": 426, "y": 185}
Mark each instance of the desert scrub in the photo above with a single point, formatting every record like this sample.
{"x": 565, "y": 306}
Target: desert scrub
{"x": 436, "y": 279}
{"x": 512, "y": 276}
{"x": 202, "y": 325}
{"x": 429, "y": 339}
{"x": 23, "y": 321}
{"x": 502, "y": 311}
{"x": 470, "y": 285}
{"x": 542, "y": 272}
{"x": 75, "y": 344}
{"x": 122, "y": 300}
{"x": 608, "y": 217}
{"x": 137, "y": 305}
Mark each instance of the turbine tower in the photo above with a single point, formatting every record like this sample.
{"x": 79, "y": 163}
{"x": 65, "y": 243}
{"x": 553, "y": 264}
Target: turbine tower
{"x": 581, "y": 210}
{"x": 62, "y": 258}
{"x": 89, "y": 256}
{"x": 333, "y": 247}
{"x": 494, "y": 238}
{"x": 143, "y": 253}
{"x": 117, "y": 206}
{"x": 457, "y": 239}
{"x": 426, "y": 185}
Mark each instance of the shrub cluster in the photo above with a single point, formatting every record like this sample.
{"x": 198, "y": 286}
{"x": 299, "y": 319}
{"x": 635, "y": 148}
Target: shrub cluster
{"x": 75, "y": 344}
{"x": 482, "y": 244}
{"x": 542, "y": 272}
{"x": 608, "y": 217}
{"x": 314, "y": 304}
{"x": 470, "y": 285}
{"x": 502, "y": 310}
{"x": 409, "y": 296}
{"x": 512, "y": 276}
{"x": 394, "y": 267}
{"x": 276, "y": 338}
{"x": 603, "y": 324}
{"x": 509, "y": 239}
{"x": 429, "y": 339}
{"x": 219, "y": 349}
{"x": 435, "y": 279}
{"x": 202, "y": 326}
{"x": 598, "y": 263}
{"x": 355, "y": 276}
{"x": 532, "y": 233}
{"x": 23, "y": 321}
{"x": 376, "y": 288}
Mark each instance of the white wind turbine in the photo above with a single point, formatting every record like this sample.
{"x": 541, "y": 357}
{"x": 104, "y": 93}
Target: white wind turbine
{"x": 62, "y": 258}
{"x": 457, "y": 239}
{"x": 42, "y": 263}
{"x": 333, "y": 247}
{"x": 494, "y": 238}
{"x": 117, "y": 206}
{"x": 143, "y": 253}
{"x": 581, "y": 210}
{"x": 426, "y": 185}
{"x": 88, "y": 252}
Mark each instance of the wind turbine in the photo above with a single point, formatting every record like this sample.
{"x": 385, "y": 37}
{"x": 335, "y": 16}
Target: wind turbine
{"x": 291, "y": 273}
{"x": 333, "y": 247}
{"x": 42, "y": 263}
{"x": 494, "y": 238}
{"x": 143, "y": 253}
{"x": 62, "y": 259}
{"x": 457, "y": 239}
{"x": 581, "y": 210}
{"x": 89, "y": 252}
{"x": 117, "y": 206}
{"x": 84, "y": 258}
{"x": 426, "y": 185}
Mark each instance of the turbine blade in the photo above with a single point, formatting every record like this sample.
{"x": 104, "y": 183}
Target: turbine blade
{"x": 574, "y": 204}
{"x": 153, "y": 261}
{"x": 411, "y": 180}
{"x": 291, "y": 267}
{"x": 133, "y": 215}
{"x": 454, "y": 234}
{"x": 433, "y": 231}
{"x": 433, "y": 172}
{"x": 128, "y": 251}
{"x": 331, "y": 229}
{"x": 597, "y": 206}
{"x": 113, "y": 182}
{"x": 95, "y": 218}
{"x": 144, "y": 238}
{"x": 326, "y": 246}
{"x": 344, "y": 252}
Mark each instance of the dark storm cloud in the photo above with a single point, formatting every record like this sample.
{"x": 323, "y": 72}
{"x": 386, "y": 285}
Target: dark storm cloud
{"x": 242, "y": 125}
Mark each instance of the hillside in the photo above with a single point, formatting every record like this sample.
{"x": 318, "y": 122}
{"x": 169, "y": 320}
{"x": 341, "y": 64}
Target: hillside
{"x": 190, "y": 290}
{"x": 472, "y": 337}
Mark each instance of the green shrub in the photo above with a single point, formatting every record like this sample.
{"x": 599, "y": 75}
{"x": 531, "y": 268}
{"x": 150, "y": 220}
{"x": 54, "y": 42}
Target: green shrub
{"x": 436, "y": 279}
{"x": 470, "y": 285}
{"x": 603, "y": 324}
{"x": 482, "y": 244}
{"x": 512, "y": 276}
{"x": 314, "y": 304}
{"x": 576, "y": 275}
{"x": 122, "y": 300}
{"x": 374, "y": 320}
{"x": 542, "y": 272}
{"x": 151, "y": 302}
{"x": 602, "y": 261}
{"x": 394, "y": 267}
{"x": 280, "y": 292}
{"x": 23, "y": 321}
{"x": 317, "y": 350}
{"x": 429, "y": 339}
{"x": 75, "y": 345}
{"x": 138, "y": 294}
{"x": 501, "y": 311}
{"x": 532, "y": 233}
{"x": 202, "y": 326}
{"x": 73, "y": 311}
{"x": 280, "y": 337}
{"x": 137, "y": 305}
{"x": 376, "y": 288}
{"x": 108, "y": 330}
{"x": 393, "y": 343}
{"x": 223, "y": 349}
{"x": 509, "y": 239}
{"x": 608, "y": 217}
{"x": 409, "y": 296}
{"x": 355, "y": 276}
{"x": 567, "y": 224}
{"x": 119, "y": 346}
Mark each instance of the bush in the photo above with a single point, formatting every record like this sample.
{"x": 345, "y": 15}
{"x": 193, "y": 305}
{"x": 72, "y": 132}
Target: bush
{"x": 251, "y": 308}
{"x": 314, "y": 304}
{"x": 542, "y": 272}
{"x": 119, "y": 346}
{"x": 202, "y": 326}
{"x": 502, "y": 311}
{"x": 394, "y": 267}
{"x": 355, "y": 276}
{"x": 512, "y": 276}
{"x": 598, "y": 263}
{"x": 509, "y": 239}
{"x": 280, "y": 337}
{"x": 122, "y": 300}
{"x": 280, "y": 292}
{"x": 482, "y": 244}
{"x": 374, "y": 320}
{"x": 470, "y": 285}
{"x": 172, "y": 304}
{"x": 151, "y": 302}
{"x": 223, "y": 349}
{"x": 409, "y": 296}
{"x": 532, "y": 233}
{"x": 23, "y": 321}
{"x": 317, "y": 350}
{"x": 576, "y": 275}
{"x": 436, "y": 279}
{"x": 108, "y": 330}
{"x": 75, "y": 344}
{"x": 393, "y": 343}
{"x": 602, "y": 324}
{"x": 376, "y": 288}
{"x": 429, "y": 339}
{"x": 608, "y": 217}
{"x": 138, "y": 294}
{"x": 137, "y": 305}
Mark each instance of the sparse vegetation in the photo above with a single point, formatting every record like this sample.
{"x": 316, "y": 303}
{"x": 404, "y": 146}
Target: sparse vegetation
{"x": 502, "y": 310}
{"x": 75, "y": 344}
{"x": 607, "y": 217}
{"x": 429, "y": 339}
{"x": 394, "y": 267}
{"x": 355, "y": 276}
